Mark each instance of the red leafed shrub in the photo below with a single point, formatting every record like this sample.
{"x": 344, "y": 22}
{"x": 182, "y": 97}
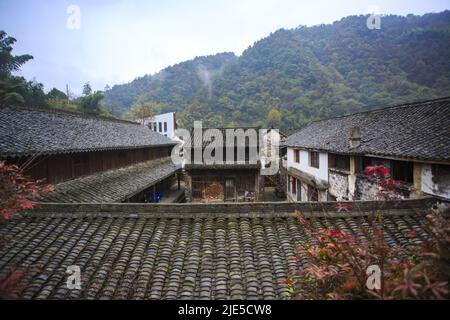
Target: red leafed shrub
{"x": 388, "y": 188}
{"x": 17, "y": 190}
{"x": 16, "y": 193}
{"x": 376, "y": 170}
{"x": 342, "y": 207}
{"x": 10, "y": 285}
{"x": 336, "y": 265}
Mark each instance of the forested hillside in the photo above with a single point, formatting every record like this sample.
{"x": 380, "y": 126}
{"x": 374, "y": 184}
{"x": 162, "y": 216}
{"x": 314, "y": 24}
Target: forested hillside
{"x": 305, "y": 74}
{"x": 174, "y": 87}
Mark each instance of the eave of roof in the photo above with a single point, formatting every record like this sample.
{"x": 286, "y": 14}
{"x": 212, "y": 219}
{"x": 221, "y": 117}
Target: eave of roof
{"x": 71, "y": 151}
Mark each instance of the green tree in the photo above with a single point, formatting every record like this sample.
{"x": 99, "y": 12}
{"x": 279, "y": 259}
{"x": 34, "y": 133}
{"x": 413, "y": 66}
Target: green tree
{"x": 87, "y": 89}
{"x": 142, "y": 111}
{"x": 56, "y": 94}
{"x": 9, "y": 91}
{"x": 12, "y": 89}
{"x": 91, "y": 103}
{"x": 8, "y": 62}
{"x": 274, "y": 117}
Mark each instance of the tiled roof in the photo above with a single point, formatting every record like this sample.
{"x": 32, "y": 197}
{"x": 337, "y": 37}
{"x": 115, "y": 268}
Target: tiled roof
{"x": 197, "y": 139}
{"x": 114, "y": 185}
{"x": 168, "y": 256}
{"x": 27, "y": 131}
{"x": 416, "y": 131}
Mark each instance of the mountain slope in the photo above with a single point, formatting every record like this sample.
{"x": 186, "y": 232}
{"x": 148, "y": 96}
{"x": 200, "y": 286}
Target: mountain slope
{"x": 175, "y": 86}
{"x": 310, "y": 73}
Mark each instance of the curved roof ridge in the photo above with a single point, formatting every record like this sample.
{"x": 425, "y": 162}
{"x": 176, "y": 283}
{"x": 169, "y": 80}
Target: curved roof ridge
{"x": 69, "y": 113}
{"x": 380, "y": 108}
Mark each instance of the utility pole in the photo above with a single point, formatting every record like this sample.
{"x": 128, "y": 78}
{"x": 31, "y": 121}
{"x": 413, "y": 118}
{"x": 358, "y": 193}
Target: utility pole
{"x": 67, "y": 93}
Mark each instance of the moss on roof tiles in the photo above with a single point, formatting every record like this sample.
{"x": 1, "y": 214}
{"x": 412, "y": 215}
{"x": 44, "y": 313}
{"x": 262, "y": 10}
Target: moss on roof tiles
{"x": 28, "y": 131}
{"x": 417, "y": 131}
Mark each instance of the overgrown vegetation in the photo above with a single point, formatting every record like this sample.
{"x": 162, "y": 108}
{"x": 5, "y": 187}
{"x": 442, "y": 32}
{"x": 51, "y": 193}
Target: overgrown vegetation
{"x": 338, "y": 265}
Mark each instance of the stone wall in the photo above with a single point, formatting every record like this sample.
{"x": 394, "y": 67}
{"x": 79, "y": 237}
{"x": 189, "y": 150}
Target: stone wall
{"x": 435, "y": 180}
{"x": 238, "y": 209}
{"x": 366, "y": 188}
{"x": 338, "y": 185}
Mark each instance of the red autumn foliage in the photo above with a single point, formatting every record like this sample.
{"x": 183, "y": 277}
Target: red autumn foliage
{"x": 389, "y": 188}
{"x": 376, "y": 170}
{"x": 336, "y": 264}
{"x": 16, "y": 194}
{"x": 342, "y": 207}
{"x": 10, "y": 285}
{"x": 17, "y": 190}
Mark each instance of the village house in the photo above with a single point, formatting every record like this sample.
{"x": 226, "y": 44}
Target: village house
{"x": 165, "y": 124}
{"x": 326, "y": 159}
{"x": 89, "y": 159}
{"x": 238, "y": 180}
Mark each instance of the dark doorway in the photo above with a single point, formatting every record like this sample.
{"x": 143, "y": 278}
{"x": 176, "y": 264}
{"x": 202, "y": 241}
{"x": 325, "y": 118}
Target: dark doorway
{"x": 230, "y": 190}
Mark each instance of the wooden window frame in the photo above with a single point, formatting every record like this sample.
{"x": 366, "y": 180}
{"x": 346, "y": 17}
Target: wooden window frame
{"x": 314, "y": 159}
{"x": 296, "y": 156}
{"x": 294, "y": 186}
{"x": 313, "y": 194}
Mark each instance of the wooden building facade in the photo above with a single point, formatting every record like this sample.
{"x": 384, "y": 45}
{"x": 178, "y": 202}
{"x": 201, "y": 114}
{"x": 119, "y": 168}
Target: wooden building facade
{"x": 224, "y": 185}
{"x": 62, "y": 167}
{"x": 86, "y": 157}
{"x": 238, "y": 180}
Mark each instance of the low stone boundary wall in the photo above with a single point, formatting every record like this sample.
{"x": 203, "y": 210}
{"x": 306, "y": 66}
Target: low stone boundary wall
{"x": 279, "y": 209}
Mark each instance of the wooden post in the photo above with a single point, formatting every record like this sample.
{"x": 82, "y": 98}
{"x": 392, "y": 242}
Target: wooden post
{"x": 352, "y": 179}
{"x": 417, "y": 180}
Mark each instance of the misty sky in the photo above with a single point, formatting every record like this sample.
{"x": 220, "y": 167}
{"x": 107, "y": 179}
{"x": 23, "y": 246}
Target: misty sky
{"x": 119, "y": 40}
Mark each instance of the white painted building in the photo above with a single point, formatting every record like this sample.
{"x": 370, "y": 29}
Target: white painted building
{"x": 164, "y": 124}
{"x": 326, "y": 159}
{"x": 307, "y": 177}
{"x": 435, "y": 180}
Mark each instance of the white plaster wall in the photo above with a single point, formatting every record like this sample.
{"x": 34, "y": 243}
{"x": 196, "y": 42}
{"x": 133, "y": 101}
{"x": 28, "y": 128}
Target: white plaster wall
{"x": 303, "y": 188}
{"x": 166, "y": 117}
{"x": 438, "y": 186}
{"x": 321, "y": 173}
{"x": 304, "y": 192}
{"x": 290, "y": 196}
